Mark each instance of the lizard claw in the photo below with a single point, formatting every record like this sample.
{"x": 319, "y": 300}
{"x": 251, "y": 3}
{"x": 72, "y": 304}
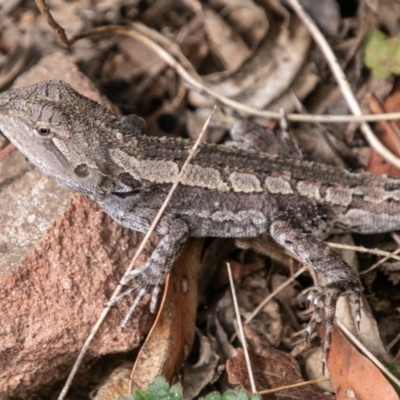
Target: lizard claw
{"x": 132, "y": 308}
{"x": 146, "y": 282}
{"x": 327, "y": 298}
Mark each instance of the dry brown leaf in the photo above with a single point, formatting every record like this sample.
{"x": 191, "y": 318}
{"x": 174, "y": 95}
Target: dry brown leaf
{"x": 171, "y": 336}
{"x": 353, "y": 375}
{"x": 387, "y": 13}
{"x": 269, "y": 72}
{"x": 117, "y": 384}
{"x": 272, "y": 369}
{"x": 389, "y": 134}
{"x": 204, "y": 370}
{"x": 225, "y": 44}
{"x": 245, "y": 16}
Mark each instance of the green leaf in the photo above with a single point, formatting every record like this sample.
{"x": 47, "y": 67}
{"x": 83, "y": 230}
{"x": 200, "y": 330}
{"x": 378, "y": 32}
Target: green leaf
{"x": 212, "y": 396}
{"x": 160, "y": 390}
{"x": 138, "y": 395}
{"x": 240, "y": 395}
{"x": 382, "y": 54}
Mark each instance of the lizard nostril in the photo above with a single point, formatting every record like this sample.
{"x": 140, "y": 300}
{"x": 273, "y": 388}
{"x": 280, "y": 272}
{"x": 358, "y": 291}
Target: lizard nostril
{"x": 82, "y": 171}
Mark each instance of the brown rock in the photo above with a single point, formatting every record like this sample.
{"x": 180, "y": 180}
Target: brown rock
{"x": 60, "y": 259}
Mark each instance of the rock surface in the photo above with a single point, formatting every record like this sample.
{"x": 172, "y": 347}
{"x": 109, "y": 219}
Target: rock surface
{"x": 60, "y": 259}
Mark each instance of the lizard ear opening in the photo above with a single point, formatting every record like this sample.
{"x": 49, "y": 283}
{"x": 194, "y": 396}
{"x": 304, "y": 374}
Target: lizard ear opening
{"x": 82, "y": 171}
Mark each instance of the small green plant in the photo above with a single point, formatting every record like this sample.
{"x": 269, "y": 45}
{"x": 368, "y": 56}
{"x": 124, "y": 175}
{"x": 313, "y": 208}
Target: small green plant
{"x": 382, "y": 54}
{"x": 161, "y": 390}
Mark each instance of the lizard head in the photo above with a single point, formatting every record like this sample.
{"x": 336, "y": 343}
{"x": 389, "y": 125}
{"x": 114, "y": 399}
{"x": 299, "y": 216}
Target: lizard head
{"x": 63, "y": 133}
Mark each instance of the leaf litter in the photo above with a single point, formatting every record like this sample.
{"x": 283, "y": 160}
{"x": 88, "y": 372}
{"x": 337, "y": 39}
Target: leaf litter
{"x": 260, "y": 55}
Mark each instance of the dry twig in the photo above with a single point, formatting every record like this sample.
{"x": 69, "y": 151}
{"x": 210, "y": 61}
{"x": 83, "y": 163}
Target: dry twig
{"x": 361, "y": 249}
{"x": 59, "y": 31}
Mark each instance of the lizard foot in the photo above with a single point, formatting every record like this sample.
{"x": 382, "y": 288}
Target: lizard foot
{"x": 147, "y": 280}
{"x": 327, "y": 297}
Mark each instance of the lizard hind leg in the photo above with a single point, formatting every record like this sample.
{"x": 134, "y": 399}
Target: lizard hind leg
{"x": 340, "y": 278}
{"x": 326, "y": 298}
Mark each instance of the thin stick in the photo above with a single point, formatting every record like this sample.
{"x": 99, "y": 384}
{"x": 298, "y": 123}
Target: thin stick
{"x": 241, "y": 331}
{"x": 361, "y": 249}
{"x": 132, "y": 263}
{"x": 342, "y": 82}
{"x": 42, "y": 6}
{"x": 378, "y": 263}
{"x": 196, "y": 84}
{"x": 294, "y": 385}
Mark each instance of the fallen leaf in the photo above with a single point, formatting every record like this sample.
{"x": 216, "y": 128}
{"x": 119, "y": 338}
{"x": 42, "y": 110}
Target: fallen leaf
{"x": 171, "y": 337}
{"x": 353, "y": 375}
{"x": 272, "y": 369}
{"x": 388, "y": 135}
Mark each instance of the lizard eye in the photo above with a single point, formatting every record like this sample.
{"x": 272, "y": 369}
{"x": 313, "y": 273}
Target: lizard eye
{"x": 43, "y": 131}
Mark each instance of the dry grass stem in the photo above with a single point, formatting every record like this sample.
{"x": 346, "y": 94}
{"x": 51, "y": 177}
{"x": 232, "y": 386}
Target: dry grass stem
{"x": 378, "y": 263}
{"x": 361, "y": 249}
{"x": 241, "y": 331}
{"x": 294, "y": 385}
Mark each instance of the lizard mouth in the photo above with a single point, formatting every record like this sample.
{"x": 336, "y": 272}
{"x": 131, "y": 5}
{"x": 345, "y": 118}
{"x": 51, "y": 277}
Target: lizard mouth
{"x": 125, "y": 195}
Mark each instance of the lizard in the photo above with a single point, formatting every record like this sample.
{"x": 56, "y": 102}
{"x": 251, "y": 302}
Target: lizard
{"x": 225, "y": 192}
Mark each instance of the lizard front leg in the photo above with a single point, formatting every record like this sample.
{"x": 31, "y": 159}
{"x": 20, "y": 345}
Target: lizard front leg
{"x": 150, "y": 277}
{"x": 340, "y": 278}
